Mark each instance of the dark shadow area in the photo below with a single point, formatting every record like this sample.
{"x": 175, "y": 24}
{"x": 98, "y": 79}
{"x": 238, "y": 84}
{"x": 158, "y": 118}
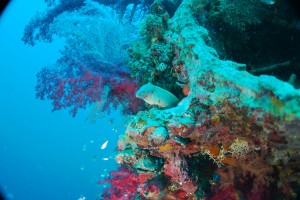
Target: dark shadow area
{"x": 1, "y": 195}
{"x": 3, "y": 5}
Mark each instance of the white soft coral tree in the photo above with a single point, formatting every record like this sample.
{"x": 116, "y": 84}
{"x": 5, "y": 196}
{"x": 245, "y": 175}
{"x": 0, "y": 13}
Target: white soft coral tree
{"x": 92, "y": 66}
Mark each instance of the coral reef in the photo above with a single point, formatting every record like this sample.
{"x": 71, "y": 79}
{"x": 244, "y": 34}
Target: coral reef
{"x": 213, "y": 130}
{"x": 230, "y": 135}
{"x": 151, "y": 58}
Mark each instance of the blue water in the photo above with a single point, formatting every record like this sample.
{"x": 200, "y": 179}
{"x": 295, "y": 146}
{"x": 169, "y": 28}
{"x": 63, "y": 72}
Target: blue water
{"x": 44, "y": 155}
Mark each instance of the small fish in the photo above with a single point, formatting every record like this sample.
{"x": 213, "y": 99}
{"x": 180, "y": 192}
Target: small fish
{"x": 114, "y": 130}
{"x": 104, "y": 145}
{"x": 268, "y": 2}
{"x": 82, "y": 198}
{"x": 104, "y": 158}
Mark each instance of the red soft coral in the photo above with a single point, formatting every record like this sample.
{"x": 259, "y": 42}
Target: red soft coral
{"x": 225, "y": 193}
{"x": 124, "y": 185}
{"x": 69, "y": 90}
{"x": 73, "y": 85}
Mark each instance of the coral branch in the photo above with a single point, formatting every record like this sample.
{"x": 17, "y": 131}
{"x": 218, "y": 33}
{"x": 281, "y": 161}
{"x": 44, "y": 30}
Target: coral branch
{"x": 124, "y": 185}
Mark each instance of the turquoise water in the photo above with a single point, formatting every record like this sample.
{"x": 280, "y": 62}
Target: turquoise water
{"x": 44, "y": 155}
{"x": 219, "y": 120}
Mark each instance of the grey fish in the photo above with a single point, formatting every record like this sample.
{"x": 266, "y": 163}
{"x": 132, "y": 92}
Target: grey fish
{"x": 158, "y": 96}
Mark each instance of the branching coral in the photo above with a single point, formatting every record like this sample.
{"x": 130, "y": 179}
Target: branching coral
{"x": 73, "y": 86}
{"x": 239, "y": 148}
{"x": 73, "y": 91}
{"x": 38, "y": 28}
{"x": 92, "y": 68}
{"x": 124, "y": 185}
{"x": 94, "y": 34}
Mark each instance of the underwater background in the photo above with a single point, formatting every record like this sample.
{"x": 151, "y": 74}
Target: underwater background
{"x": 150, "y": 99}
{"x": 44, "y": 155}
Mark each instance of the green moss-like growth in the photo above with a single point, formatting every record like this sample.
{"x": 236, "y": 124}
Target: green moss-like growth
{"x": 236, "y": 13}
{"x": 153, "y": 28}
{"x": 248, "y": 31}
{"x": 151, "y": 57}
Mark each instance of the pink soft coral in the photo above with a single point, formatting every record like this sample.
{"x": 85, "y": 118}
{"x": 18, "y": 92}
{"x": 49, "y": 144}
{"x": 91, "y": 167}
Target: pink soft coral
{"x": 73, "y": 85}
{"x": 124, "y": 185}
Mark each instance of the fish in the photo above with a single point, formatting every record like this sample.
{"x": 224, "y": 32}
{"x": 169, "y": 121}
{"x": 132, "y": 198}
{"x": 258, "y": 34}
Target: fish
{"x": 115, "y": 130}
{"x": 82, "y": 197}
{"x": 104, "y": 145}
{"x": 84, "y": 147}
{"x": 158, "y": 96}
{"x": 268, "y": 2}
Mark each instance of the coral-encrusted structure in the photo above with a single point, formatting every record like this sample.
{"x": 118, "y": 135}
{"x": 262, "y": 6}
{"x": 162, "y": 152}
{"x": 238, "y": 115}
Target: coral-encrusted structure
{"x": 234, "y": 136}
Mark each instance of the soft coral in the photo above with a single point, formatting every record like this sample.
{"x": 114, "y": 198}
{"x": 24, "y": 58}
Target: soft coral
{"x": 67, "y": 89}
{"x": 124, "y": 184}
{"x": 73, "y": 85}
